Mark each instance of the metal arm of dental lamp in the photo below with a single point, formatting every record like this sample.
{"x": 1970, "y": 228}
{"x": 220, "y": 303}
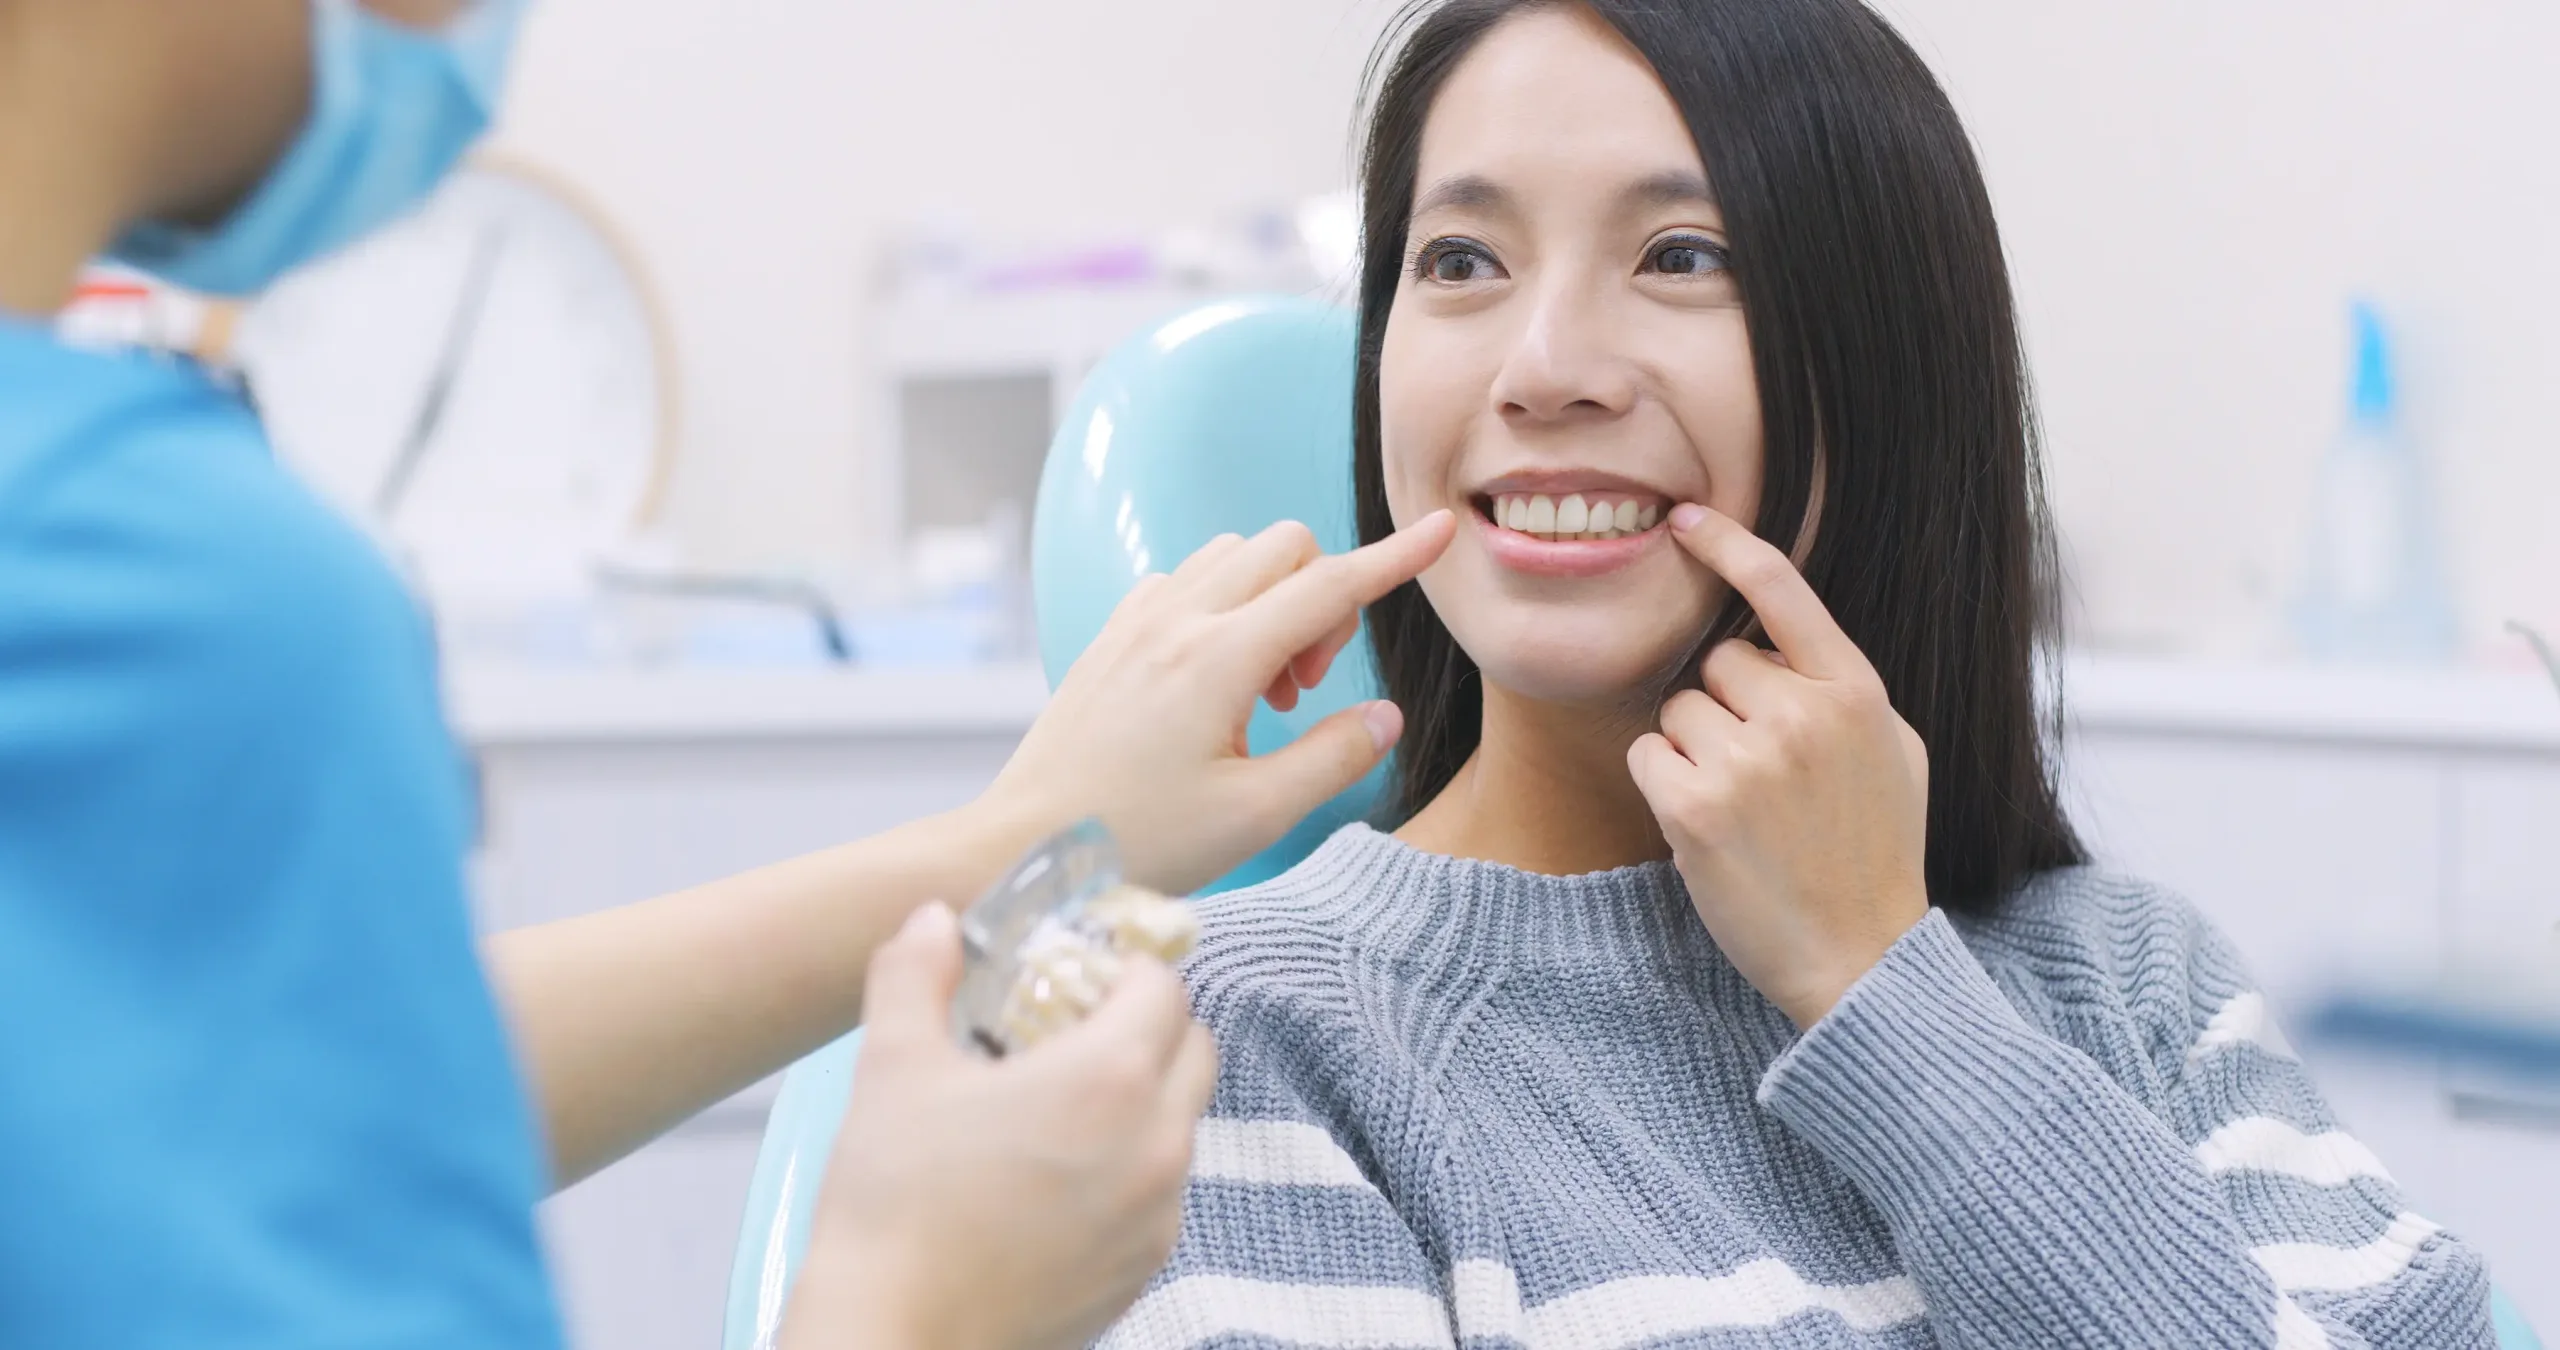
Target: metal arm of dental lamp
{"x": 787, "y": 592}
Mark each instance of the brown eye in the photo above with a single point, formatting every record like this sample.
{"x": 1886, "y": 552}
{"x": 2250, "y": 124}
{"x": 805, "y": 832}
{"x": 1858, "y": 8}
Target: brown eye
{"x": 1688, "y": 258}
{"x": 1454, "y": 267}
{"x": 1455, "y": 262}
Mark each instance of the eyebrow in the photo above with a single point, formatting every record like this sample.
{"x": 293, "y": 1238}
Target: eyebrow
{"x": 1474, "y": 192}
{"x": 1671, "y": 189}
{"x": 1462, "y": 193}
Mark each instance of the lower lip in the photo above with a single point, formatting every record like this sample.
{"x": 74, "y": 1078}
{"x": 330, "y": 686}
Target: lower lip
{"x": 1563, "y": 557}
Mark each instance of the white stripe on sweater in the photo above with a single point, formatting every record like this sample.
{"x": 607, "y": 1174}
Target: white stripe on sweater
{"x": 1607, "y": 1316}
{"x": 1271, "y": 1153}
{"x": 2266, "y": 1144}
{"x": 2312, "y": 1266}
{"x": 1763, "y": 1293}
{"x": 1487, "y": 1296}
{"x": 2243, "y": 1020}
{"x": 2294, "y": 1328}
{"x": 1199, "y": 1308}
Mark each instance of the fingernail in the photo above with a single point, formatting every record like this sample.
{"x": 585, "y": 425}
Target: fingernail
{"x": 1686, "y": 515}
{"x": 1386, "y": 722}
{"x": 932, "y": 917}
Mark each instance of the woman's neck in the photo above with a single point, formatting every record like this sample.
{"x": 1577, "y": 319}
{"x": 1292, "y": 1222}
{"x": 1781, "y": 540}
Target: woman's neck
{"x": 112, "y": 112}
{"x": 1547, "y": 791}
{"x": 66, "y": 162}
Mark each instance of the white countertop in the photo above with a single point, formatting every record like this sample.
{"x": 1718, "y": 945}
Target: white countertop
{"x": 502, "y": 705}
{"x": 498, "y": 705}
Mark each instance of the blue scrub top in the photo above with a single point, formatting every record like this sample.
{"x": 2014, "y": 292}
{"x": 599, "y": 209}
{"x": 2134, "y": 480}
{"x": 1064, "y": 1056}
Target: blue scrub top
{"x": 253, "y": 1090}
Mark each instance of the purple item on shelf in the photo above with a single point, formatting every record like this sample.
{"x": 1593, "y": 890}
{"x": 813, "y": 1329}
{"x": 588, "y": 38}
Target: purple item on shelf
{"x": 1117, "y": 265}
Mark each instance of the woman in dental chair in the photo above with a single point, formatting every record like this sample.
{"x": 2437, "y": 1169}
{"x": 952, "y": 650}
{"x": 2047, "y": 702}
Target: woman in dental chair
{"x": 1753, "y": 990}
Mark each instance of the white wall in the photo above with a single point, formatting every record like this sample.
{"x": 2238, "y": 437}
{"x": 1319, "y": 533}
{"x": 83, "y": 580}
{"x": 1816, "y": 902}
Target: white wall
{"x": 761, "y": 150}
{"x": 2191, "y": 188}
{"x": 2191, "y": 192}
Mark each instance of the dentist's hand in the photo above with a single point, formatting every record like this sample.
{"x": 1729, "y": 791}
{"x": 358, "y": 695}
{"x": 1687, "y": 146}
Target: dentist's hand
{"x": 1148, "y": 729}
{"x": 1021, "y": 1205}
{"x": 1795, "y": 799}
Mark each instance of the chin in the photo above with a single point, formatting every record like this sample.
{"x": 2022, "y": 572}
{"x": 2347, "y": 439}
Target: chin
{"x": 1602, "y": 658}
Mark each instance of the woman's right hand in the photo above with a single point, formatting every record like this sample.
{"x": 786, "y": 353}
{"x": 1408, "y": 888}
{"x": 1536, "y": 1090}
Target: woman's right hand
{"x": 1147, "y": 732}
{"x": 1013, "y": 1205}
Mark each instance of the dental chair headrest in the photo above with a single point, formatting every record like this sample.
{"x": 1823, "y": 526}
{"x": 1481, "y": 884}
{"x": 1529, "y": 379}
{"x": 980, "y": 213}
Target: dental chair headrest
{"x": 1227, "y": 418}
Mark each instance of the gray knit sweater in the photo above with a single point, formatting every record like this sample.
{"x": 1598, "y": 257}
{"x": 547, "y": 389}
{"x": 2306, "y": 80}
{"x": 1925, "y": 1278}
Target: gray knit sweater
{"x": 1463, "y": 1104}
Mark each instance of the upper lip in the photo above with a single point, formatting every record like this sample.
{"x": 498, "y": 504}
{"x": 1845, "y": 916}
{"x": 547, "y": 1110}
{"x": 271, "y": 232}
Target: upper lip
{"x": 1559, "y": 482}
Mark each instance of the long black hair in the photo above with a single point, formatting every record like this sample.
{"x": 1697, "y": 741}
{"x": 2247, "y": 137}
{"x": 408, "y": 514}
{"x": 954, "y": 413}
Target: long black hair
{"x": 1885, "y": 347}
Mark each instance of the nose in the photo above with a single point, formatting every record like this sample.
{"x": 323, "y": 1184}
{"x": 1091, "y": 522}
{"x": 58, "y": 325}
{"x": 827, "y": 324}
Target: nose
{"x": 1564, "y": 366}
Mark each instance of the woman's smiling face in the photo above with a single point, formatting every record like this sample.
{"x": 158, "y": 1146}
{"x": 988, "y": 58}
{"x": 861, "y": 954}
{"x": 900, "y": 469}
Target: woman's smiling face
{"x": 1565, "y": 359}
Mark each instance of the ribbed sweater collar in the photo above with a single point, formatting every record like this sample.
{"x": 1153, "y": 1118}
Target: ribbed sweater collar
{"x": 1397, "y": 901}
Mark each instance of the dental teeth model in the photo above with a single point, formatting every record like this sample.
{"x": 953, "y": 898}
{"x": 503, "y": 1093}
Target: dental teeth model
{"x": 1069, "y": 965}
{"x": 1047, "y": 945}
{"x": 1574, "y": 516}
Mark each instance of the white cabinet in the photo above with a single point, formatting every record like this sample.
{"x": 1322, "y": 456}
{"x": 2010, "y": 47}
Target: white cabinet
{"x": 2305, "y": 853}
{"x": 598, "y": 791}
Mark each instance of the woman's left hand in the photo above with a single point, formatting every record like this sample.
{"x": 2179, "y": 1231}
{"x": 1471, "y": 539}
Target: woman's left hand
{"x": 1795, "y": 799}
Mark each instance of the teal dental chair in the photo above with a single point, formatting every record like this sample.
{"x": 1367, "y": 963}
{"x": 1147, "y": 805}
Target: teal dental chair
{"x": 1227, "y": 418}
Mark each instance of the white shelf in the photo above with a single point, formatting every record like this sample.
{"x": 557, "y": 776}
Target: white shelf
{"x": 502, "y": 705}
{"x": 2511, "y": 710}
{"x": 2466, "y": 708}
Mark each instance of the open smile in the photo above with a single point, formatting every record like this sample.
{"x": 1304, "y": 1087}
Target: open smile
{"x": 1571, "y": 530}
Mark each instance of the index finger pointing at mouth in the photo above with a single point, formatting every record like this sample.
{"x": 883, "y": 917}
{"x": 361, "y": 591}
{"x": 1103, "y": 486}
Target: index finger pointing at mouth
{"x": 1806, "y": 634}
{"x": 1312, "y": 602}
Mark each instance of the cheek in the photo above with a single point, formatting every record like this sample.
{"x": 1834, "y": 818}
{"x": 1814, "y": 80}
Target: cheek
{"x": 1717, "y": 403}
{"x": 1425, "y": 404}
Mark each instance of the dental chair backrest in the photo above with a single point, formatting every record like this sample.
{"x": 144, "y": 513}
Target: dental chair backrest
{"x": 1227, "y": 418}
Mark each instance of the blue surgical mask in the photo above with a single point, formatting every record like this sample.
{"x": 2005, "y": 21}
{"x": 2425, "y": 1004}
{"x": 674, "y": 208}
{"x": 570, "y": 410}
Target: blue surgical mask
{"x": 392, "y": 111}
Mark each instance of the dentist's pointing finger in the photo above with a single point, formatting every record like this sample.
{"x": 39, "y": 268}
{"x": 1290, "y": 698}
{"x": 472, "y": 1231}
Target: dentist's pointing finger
{"x": 1147, "y": 730}
{"x": 1300, "y": 611}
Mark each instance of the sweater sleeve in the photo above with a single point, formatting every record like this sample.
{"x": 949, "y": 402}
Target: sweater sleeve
{"x": 2039, "y": 1202}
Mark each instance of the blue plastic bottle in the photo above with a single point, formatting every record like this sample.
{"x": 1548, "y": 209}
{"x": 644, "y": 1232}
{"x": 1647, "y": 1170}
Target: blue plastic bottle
{"x": 2375, "y": 589}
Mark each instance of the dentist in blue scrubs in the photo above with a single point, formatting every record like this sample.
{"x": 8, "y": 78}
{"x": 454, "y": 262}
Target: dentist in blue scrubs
{"x": 258, "y": 1084}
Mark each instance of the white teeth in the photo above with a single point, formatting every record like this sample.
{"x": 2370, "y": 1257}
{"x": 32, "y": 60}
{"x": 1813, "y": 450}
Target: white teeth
{"x": 1573, "y": 516}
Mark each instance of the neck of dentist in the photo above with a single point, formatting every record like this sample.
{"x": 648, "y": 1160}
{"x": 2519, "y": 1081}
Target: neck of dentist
{"x": 118, "y": 110}
{"x": 1546, "y": 791}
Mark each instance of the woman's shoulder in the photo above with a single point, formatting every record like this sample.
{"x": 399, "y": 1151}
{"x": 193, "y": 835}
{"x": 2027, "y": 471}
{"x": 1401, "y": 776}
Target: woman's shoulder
{"x": 1311, "y": 952}
{"x": 2078, "y": 943}
{"x": 1278, "y": 976}
{"x": 1284, "y": 936}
